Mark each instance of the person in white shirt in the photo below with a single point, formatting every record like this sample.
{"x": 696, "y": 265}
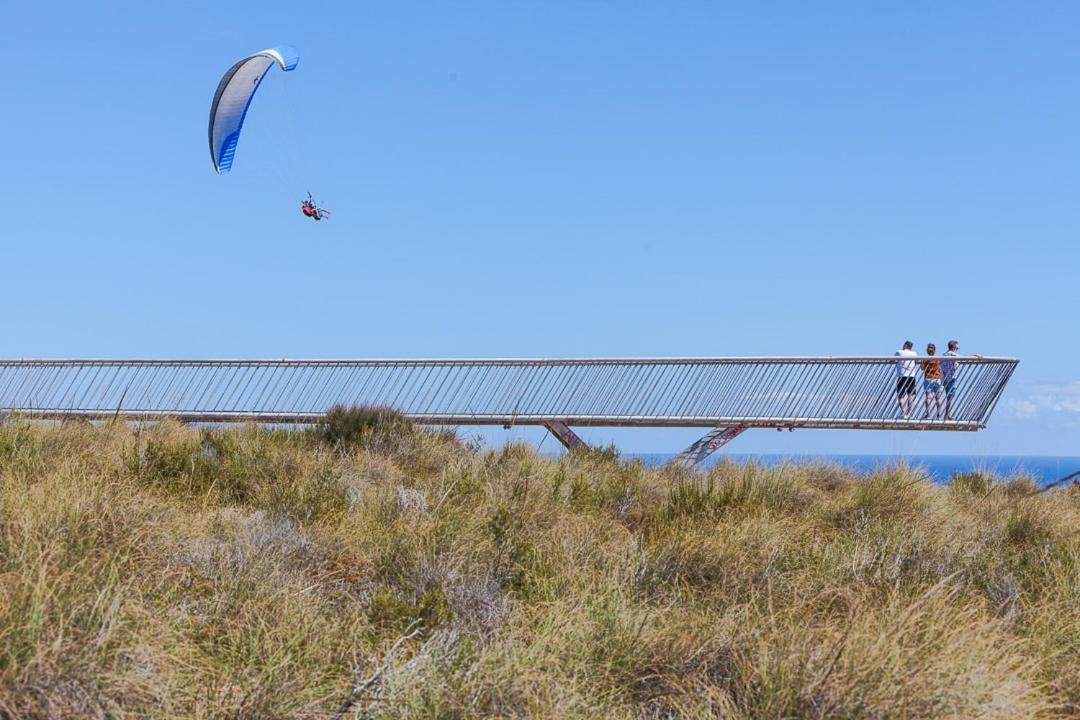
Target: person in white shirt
{"x": 905, "y": 378}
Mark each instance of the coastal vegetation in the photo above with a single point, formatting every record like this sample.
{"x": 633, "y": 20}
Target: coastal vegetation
{"x": 368, "y": 568}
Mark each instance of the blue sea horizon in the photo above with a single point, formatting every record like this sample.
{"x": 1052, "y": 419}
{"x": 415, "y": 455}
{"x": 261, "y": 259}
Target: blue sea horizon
{"x": 1043, "y": 469}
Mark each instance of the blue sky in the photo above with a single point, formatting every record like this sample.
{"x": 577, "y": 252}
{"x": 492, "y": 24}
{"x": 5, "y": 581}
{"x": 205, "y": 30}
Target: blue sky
{"x": 558, "y": 179}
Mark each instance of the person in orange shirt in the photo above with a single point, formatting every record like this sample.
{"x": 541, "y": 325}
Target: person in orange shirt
{"x": 931, "y": 370}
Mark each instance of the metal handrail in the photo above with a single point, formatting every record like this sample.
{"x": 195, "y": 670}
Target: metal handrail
{"x": 838, "y": 391}
{"x": 712, "y": 360}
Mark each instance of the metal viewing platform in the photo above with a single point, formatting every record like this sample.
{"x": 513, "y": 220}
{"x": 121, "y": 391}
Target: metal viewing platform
{"x": 728, "y": 395}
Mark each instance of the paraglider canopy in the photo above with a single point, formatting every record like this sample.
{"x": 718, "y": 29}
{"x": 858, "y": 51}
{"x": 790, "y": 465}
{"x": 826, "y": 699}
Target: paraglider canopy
{"x": 233, "y": 98}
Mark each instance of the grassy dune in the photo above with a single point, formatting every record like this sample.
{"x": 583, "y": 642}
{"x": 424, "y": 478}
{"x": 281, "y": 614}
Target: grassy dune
{"x": 371, "y": 570}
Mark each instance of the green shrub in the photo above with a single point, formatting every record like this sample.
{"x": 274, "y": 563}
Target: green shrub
{"x": 379, "y": 428}
{"x": 1019, "y": 486}
{"x": 1026, "y": 526}
{"x": 890, "y": 495}
{"x": 690, "y": 497}
{"x": 602, "y": 453}
{"x": 971, "y": 483}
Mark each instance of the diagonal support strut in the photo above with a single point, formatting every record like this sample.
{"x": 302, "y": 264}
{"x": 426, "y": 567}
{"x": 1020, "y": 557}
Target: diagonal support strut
{"x": 706, "y": 445}
{"x": 565, "y": 435}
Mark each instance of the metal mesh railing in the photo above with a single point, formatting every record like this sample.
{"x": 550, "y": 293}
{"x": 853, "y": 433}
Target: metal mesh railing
{"x": 841, "y": 392}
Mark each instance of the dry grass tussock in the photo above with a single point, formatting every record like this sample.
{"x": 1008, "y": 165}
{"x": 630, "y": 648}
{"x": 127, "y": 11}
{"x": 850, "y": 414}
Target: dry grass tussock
{"x": 376, "y": 570}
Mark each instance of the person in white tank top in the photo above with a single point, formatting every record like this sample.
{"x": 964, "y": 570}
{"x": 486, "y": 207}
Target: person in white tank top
{"x": 905, "y": 378}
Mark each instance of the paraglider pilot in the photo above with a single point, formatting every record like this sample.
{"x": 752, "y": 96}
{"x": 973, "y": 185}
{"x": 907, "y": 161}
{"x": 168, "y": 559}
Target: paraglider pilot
{"x": 313, "y": 211}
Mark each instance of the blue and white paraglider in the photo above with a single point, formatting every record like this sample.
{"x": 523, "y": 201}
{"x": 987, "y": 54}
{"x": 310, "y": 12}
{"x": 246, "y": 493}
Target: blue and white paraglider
{"x": 233, "y": 98}
{"x": 232, "y": 101}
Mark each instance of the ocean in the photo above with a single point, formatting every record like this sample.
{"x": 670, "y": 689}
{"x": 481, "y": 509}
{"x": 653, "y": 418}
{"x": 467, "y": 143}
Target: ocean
{"x": 1042, "y": 468}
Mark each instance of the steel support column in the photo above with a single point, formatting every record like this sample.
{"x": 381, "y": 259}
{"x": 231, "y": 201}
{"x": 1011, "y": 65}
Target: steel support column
{"x": 707, "y": 445}
{"x": 565, "y": 435}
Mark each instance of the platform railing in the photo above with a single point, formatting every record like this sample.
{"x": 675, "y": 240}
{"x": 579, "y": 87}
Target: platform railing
{"x": 784, "y": 392}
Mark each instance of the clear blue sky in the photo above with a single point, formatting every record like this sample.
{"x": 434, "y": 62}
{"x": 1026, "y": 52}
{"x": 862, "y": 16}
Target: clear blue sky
{"x": 558, "y": 179}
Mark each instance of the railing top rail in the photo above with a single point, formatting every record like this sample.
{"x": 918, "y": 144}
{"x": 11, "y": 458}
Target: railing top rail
{"x": 793, "y": 359}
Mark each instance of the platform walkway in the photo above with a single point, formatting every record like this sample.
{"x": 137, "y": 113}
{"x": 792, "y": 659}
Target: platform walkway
{"x": 728, "y": 395}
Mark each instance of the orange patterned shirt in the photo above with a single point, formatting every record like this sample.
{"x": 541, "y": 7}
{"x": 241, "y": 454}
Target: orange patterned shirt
{"x": 931, "y": 369}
